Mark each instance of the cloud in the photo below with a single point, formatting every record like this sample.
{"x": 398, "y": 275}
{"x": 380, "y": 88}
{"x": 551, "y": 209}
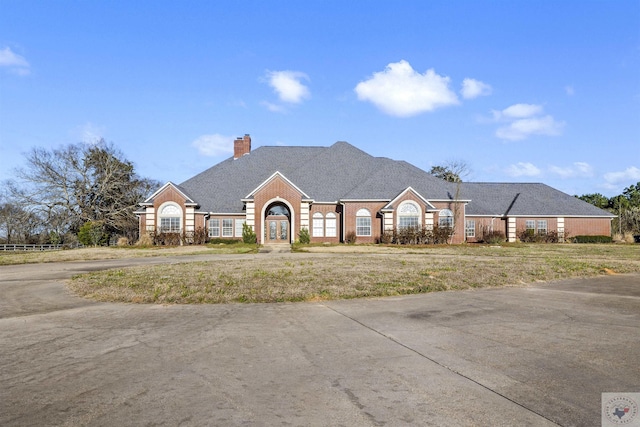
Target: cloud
{"x": 518, "y": 111}
{"x": 631, "y": 174}
{"x": 525, "y": 120}
{"x": 569, "y": 90}
{"x": 274, "y": 107}
{"x": 472, "y": 88}
{"x": 213, "y": 145}
{"x": 89, "y": 133}
{"x": 15, "y": 63}
{"x": 288, "y": 85}
{"x": 578, "y": 169}
{"x": 401, "y": 91}
{"x": 522, "y": 169}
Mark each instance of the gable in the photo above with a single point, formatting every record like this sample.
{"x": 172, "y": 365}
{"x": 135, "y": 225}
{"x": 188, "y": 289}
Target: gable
{"x": 169, "y": 191}
{"x": 276, "y": 183}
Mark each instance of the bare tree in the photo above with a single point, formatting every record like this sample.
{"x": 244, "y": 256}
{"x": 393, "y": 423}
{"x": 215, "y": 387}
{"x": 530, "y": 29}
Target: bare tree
{"x": 78, "y": 183}
{"x": 451, "y": 170}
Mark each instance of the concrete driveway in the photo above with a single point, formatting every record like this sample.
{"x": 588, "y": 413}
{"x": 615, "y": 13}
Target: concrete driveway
{"x": 538, "y": 355}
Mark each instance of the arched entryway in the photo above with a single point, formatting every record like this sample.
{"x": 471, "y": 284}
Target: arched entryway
{"x": 277, "y": 224}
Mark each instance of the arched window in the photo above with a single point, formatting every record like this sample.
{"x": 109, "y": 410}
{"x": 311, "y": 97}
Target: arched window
{"x": 318, "y": 225}
{"x": 330, "y": 225}
{"x": 363, "y": 222}
{"x": 408, "y": 215}
{"x": 170, "y": 218}
{"x": 445, "y": 218}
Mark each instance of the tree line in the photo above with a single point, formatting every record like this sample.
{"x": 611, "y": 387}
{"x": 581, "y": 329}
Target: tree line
{"x": 77, "y": 191}
{"x": 626, "y": 206}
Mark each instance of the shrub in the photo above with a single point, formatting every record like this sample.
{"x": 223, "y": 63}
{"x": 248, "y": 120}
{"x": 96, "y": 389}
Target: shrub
{"x": 492, "y": 237}
{"x": 350, "y": 238}
{"x": 92, "y": 234}
{"x": 145, "y": 240}
{"x": 530, "y": 236}
{"x": 122, "y": 241}
{"x": 592, "y": 239}
{"x": 248, "y": 235}
{"x": 199, "y": 236}
{"x": 303, "y": 236}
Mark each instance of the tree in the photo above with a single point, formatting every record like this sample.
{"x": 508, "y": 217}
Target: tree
{"x": 451, "y": 171}
{"x": 632, "y": 194}
{"x": 596, "y": 199}
{"x": 78, "y": 183}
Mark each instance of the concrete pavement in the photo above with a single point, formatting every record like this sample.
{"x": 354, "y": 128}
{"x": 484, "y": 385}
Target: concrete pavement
{"x": 538, "y": 355}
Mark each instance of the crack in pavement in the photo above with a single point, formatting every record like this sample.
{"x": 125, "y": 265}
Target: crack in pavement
{"x": 450, "y": 369}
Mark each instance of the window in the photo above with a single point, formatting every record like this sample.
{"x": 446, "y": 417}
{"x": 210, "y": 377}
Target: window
{"x": 170, "y": 225}
{"x": 542, "y": 226}
{"x": 408, "y": 215}
{"x": 530, "y": 226}
{"x": 170, "y": 218}
{"x": 445, "y": 218}
{"x": 363, "y": 223}
{"x": 227, "y": 228}
{"x": 330, "y": 224}
{"x": 318, "y": 225}
{"x": 239, "y": 223}
{"x": 470, "y": 228}
{"x": 214, "y": 227}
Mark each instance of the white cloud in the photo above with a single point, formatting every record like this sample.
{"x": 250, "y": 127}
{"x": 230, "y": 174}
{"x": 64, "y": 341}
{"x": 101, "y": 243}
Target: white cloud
{"x": 401, "y": 91}
{"x": 523, "y": 128}
{"x": 273, "y": 107}
{"x": 522, "y": 169}
{"x": 631, "y": 174}
{"x": 525, "y": 120}
{"x": 13, "y": 62}
{"x": 578, "y": 169}
{"x": 569, "y": 90}
{"x": 288, "y": 85}
{"x": 472, "y": 88}
{"x": 89, "y": 133}
{"x": 518, "y": 111}
{"x": 213, "y": 145}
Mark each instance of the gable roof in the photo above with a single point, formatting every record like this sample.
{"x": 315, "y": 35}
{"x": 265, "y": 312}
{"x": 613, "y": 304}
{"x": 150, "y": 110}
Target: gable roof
{"x": 325, "y": 174}
{"x": 525, "y": 199}
{"x": 344, "y": 172}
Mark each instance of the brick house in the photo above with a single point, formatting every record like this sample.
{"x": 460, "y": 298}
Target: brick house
{"x": 336, "y": 190}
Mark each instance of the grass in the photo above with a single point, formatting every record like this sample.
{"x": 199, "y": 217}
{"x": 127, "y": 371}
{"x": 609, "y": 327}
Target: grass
{"x": 360, "y": 271}
{"x": 119, "y": 252}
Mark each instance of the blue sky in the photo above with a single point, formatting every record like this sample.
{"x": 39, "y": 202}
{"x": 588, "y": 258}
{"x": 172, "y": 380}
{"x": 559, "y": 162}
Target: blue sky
{"x": 537, "y": 91}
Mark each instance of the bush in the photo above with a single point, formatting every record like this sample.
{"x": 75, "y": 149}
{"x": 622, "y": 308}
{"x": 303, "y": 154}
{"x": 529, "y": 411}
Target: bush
{"x": 248, "y": 235}
{"x": 145, "y": 240}
{"x": 304, "y": 237}
{"x": 530, "y": 236}
{"x": 350, "y": 238}
{"x": 491, "y": 236}
{"x": 592, "y": 239}
{"x": 417, "y": 235}
{"x": 92, "y": 234}
{"x": 122, "y": 241}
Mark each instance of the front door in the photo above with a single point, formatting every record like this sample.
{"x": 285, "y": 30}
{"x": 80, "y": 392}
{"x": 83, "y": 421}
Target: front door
{"x": 277, "y": 229}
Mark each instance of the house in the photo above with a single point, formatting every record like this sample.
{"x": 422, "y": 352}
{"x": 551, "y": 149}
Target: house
{"x": 338, "y": 190}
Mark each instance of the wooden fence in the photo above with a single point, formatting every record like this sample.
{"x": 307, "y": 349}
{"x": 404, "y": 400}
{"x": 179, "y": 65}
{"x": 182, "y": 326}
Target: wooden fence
{"x": 17, "y": 248}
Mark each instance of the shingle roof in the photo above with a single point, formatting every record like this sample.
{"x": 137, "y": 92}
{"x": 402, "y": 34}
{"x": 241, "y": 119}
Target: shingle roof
{"x": 344, "y": 172}
{"x": 326, "y": 174}
{"x": 524, "y": 199}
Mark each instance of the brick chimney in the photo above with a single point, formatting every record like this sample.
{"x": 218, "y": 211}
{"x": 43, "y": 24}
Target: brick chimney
{"x": 241, "y": 146}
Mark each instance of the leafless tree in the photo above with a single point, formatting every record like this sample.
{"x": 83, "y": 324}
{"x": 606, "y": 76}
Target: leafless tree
{"x": 77, "y": 183}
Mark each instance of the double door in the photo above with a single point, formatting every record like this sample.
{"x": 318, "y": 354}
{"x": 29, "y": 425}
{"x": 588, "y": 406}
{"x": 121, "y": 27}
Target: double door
{"x": 277, "y": 229}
